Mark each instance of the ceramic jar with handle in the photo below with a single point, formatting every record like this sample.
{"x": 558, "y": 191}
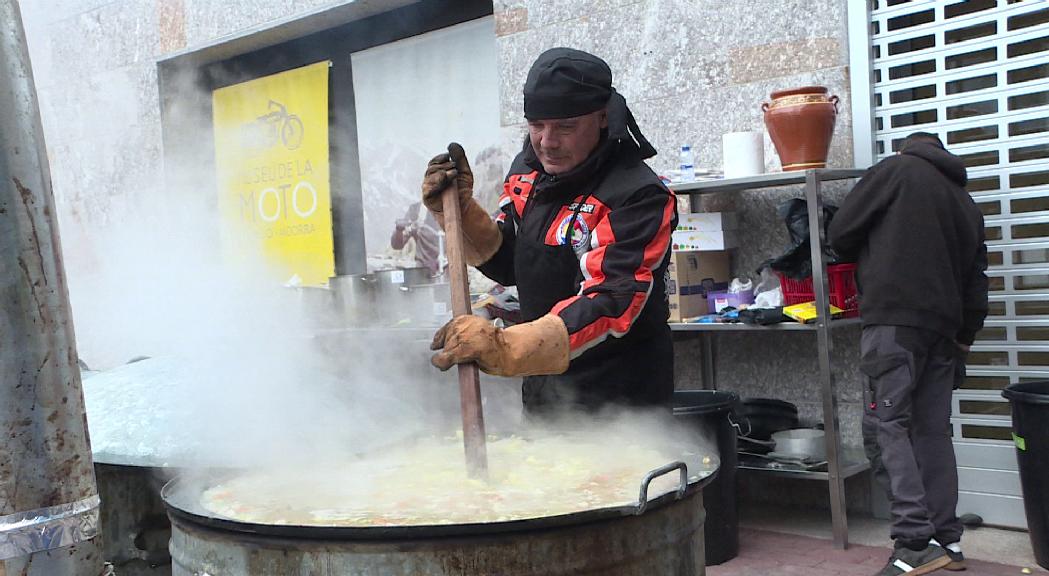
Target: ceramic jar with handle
{"x": 800, "y": 122}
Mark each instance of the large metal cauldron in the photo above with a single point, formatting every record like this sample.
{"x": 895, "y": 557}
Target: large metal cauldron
{"x": 662, "y": 536}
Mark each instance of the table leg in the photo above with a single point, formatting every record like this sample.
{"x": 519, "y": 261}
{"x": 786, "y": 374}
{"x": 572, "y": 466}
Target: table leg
{"x": 832, "y": 437}
{"x": 708, "y": 353}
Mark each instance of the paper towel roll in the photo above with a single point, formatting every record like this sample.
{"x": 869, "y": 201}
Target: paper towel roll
{"x": 744, "y": 154}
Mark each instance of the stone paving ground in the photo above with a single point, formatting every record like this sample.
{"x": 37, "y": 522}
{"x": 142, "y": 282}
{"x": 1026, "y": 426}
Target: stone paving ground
{"x": 766, "y": 553}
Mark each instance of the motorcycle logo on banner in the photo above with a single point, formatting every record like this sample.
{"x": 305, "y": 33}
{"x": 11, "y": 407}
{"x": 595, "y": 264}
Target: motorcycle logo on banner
{"x": 271, "y": 154}
{"x": 275, "y": 127}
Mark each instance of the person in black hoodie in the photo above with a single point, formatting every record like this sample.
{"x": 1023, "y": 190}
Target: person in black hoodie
{"x": 918, "y": 239}
{"x": 584, "y": 233}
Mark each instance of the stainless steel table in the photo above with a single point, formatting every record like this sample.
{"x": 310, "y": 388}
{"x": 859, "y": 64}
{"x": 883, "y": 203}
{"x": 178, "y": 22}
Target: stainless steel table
{"x": 839, "y": 464}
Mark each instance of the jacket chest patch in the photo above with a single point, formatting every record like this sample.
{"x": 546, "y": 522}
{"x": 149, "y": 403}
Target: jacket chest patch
{"x": 580, "y": 232}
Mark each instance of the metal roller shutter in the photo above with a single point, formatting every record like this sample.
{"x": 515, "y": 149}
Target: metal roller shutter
{"x": 976, "y": 73}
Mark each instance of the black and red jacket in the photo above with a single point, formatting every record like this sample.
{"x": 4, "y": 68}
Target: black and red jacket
{"x": 615, "y": 307}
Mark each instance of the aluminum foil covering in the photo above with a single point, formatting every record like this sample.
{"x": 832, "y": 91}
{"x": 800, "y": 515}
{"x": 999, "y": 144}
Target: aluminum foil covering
{"x": 25, "y": 533}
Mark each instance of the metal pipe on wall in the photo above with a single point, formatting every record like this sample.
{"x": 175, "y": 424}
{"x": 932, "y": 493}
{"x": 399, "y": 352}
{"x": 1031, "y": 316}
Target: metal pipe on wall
{"x": 48, "y": 496}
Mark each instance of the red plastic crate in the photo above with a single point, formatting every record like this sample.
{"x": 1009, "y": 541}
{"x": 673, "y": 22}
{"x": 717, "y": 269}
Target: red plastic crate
{"x": 841, "y": 281}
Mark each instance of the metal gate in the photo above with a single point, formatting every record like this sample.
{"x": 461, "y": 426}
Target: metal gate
{"x": 976, "y": 73}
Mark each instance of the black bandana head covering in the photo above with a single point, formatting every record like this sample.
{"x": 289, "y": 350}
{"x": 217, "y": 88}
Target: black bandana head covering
{"x": 565, "y": 83}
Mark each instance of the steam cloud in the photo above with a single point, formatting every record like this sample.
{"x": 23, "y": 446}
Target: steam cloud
{"x": 245, "y": 372}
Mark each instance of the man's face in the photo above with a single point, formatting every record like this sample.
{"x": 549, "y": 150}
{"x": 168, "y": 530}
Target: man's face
{"x": 565, "y": 143}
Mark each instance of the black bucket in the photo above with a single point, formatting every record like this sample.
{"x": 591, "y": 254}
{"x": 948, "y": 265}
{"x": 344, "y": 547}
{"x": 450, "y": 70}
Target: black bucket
{"x": 709, "y": 412}
{"x": 1030, "y": 406}
{"x": 766, "y": 416}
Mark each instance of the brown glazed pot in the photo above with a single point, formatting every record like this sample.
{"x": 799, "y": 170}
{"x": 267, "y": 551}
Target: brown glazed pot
{"x": 800, "y": 122}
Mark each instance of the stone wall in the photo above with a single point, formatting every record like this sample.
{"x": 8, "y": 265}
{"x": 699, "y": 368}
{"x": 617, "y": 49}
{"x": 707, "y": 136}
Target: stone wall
{"x": 691, "y": 69}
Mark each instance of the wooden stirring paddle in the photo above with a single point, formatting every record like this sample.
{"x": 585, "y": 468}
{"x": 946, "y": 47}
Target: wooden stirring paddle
{"x": 469, "y": 374}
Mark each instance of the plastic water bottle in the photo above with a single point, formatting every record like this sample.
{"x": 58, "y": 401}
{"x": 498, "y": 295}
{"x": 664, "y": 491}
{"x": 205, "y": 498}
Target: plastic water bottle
{"x": 687, "y": 172}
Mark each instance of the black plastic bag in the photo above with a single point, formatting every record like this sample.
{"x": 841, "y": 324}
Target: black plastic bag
{"x": 796, "y": 262}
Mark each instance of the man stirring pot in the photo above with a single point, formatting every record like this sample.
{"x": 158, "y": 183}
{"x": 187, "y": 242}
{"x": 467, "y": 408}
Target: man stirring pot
{"x": 584, "y": 233}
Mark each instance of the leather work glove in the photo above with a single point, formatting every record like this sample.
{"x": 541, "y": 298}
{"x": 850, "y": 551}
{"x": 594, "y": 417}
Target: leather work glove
{"x": 529, "y": 349}
{"x": 444, "y": 170}
{"x": 481, "y": 234}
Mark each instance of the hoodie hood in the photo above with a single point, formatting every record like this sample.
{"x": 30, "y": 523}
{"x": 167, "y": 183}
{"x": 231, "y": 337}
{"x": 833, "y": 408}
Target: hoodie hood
{"x": 950, "y": 165}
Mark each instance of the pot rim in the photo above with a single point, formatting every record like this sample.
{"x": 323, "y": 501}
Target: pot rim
{"x": 798, "y": 91}
{"x": 184, "y": 504}
{"x": 769, "y": 403}
{"x": 798, "y": 434}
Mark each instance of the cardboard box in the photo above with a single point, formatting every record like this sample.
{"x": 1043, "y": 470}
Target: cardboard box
{"x": 690, "y": 276}
{"x": 707, "y": 222}
{"x": 717, "y": 301}
{"x": 684, "y": 241}
{"x": 687, "y": 306}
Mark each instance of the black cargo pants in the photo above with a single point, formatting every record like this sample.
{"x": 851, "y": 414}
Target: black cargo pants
{"x": 911, "y": 373}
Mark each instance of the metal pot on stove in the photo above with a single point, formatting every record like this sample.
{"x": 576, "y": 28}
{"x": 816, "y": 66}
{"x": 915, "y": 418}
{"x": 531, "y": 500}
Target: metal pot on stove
{"x": 389, "y": 297}
{"x": 409, "y": 296}
{"x": 800, "y": 443}
{"x": 396, "y": 278}
{"x": 355, "y": 299}
{"x": 313, "y": 304}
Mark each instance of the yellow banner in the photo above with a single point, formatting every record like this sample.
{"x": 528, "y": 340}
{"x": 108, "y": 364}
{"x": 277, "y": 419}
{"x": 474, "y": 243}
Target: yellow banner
{"x": 271, "y": 155}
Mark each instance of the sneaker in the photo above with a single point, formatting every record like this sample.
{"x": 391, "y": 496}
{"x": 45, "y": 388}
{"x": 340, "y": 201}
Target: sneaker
{"x": 954, "y": 552}
{"x": 915, "y": 562}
